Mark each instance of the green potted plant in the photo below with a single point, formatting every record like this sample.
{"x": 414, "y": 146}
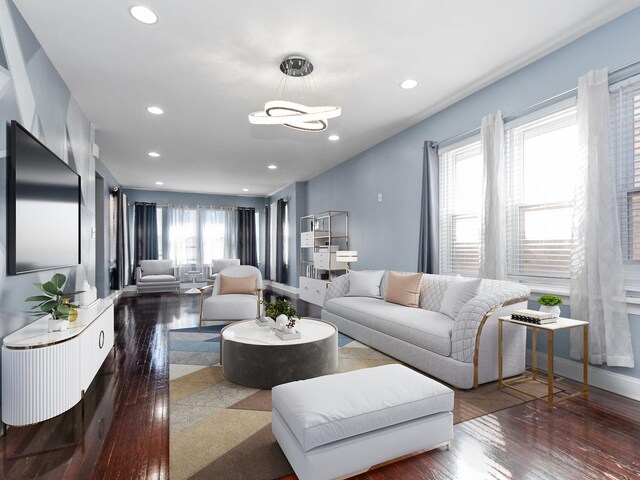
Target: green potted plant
{"x": 55, "y": 303}
{"x": 550, "y": 304}
{"x": 282, "y": 312}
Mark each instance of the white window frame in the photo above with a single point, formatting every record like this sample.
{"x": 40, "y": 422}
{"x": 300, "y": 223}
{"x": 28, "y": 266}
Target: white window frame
{"x": 449, "y": 157}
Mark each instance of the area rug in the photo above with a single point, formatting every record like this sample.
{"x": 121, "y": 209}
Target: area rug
{"x": 222, "y": 430}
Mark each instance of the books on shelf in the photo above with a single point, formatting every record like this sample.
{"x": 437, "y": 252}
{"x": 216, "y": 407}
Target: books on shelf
{"x": 533, "y": 316}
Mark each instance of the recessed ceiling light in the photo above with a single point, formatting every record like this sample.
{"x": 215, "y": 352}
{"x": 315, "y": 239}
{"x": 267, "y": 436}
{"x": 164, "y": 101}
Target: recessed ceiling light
{"x": 334, "y": 138}
{"x": 143, "y": 14}
{"x": 155, "y": 110}
{"x": 159, "y": 183}
{"x": 245, "y": 189}
{"x": 154, "y": 154}
{"x": 272, "y": 167}
{"x": 410, "y": 83}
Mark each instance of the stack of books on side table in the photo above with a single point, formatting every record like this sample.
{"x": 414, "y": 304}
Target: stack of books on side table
{"x": 534, "y": 317}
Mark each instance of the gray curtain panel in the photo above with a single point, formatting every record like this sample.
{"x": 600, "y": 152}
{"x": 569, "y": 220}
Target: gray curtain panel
{"x": 146, "y": 233}
{"x": 120, "y": 275}
{"x": 247, "y": 242}
{"x": 429, "y": 248}
{"x": 282, "y": 273}
{"x": 267, "y": 243}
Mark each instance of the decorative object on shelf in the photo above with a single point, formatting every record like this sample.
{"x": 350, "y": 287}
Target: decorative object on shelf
{"x": 295, "y": 115}
{"x": 347, "y": 256}
{"x": 88, "y": 297}
{"x": 550, "y": 304}
{"x": 54, "y": 302}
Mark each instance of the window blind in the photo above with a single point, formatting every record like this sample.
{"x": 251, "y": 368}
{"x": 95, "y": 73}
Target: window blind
{"x": 460, "y": 208}
{"x": 625, "y": 143}
{"x": 540, "y": 161}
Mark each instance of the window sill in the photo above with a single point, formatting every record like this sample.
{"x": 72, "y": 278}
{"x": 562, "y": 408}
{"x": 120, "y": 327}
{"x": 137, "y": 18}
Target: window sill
{"x": 633, "y": 303}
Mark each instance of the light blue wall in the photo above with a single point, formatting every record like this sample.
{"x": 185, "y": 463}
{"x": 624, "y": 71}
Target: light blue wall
{"x": 386, "y": 233}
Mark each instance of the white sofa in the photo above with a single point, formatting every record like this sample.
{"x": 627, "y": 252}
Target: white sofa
{"x": 462, "y": 352}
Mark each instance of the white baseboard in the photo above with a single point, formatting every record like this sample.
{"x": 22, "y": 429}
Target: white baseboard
{"x": 281, "y": 287}
{"x": 612, "y": 382}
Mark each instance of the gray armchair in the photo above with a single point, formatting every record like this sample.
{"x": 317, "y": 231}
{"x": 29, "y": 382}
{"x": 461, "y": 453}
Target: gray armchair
{"x": 217, "y": 264}
{"x": 157, "y": 276}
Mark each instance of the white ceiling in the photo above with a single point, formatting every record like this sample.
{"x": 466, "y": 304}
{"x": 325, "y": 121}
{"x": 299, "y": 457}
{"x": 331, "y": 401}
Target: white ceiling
{"x": 208, "y": 64}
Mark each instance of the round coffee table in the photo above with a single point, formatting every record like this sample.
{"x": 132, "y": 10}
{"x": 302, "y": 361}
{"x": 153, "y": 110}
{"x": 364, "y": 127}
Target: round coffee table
{"x": 254, "y": 356}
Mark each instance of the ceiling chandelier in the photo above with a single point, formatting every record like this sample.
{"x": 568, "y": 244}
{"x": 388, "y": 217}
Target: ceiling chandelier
{"x": 295, "y": 115}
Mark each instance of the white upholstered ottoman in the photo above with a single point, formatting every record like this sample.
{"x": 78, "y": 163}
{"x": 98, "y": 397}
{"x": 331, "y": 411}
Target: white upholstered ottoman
{"x": 340, "y": 425}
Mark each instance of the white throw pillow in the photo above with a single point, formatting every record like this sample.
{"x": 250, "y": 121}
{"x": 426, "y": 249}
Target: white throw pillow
{"x": 458, "y": 293}
{"x": 365, "y": 283}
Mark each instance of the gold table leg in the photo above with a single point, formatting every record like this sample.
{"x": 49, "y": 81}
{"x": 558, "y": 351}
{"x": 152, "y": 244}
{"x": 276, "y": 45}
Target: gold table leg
{"x": 585, "y": 362}
{"x": 500, "y": 323}
{"x": 534, "y": 353}
{"x": 550, "y": 370}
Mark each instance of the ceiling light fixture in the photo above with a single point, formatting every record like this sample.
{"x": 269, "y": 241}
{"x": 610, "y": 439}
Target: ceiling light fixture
{"x": 159, "y": 183}
{"x": 295, "y": 115}
{"x": 155, "y": 110}
{"x": 409, "y": 84}
{"x": 143, "y": 14}
{"x": 272, "y": 167}
{"x": 154, "y": 154}
{"x": 334, "y": 138}
{"x": 245, "y": 189}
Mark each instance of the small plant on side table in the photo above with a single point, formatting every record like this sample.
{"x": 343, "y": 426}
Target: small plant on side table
{"x": 550, "y": 304}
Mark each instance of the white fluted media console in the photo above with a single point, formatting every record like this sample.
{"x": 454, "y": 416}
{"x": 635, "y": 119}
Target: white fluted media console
{"x": 46, "y": 373}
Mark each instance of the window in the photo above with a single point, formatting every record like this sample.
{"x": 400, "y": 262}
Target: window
{"x": 540, "y": 163}
{"x": 625, "y": 141}
{"x": 460, "y": 199}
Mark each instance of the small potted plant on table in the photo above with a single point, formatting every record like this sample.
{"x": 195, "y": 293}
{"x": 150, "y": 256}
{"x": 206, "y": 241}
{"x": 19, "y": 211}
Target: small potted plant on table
{"x": 282, "y": 312}
{"x": 55, "y": 303}
{"x": 550, "y": 304}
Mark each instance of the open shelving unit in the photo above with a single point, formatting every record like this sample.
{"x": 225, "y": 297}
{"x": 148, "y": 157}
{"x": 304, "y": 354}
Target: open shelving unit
{"x": 321, "y": 236}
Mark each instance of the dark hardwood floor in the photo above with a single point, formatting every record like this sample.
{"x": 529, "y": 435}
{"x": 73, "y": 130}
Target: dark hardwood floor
{"x": 124, "y": 433}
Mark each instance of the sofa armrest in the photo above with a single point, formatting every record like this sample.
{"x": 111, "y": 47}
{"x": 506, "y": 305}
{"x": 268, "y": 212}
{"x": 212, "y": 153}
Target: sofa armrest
{"x": 339, "y": 287}
{"x": 138, "y": 274}
{"x": 176, "y": 272}
{"x": 474, "y": 313}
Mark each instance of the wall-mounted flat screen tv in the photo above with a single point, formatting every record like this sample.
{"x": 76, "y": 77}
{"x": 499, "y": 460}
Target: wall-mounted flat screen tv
{"x": 43, "y": 207}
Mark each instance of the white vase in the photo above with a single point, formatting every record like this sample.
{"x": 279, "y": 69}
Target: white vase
{"x": 58, "y": 325}
{"x": 555, "y": 310}
{"x": 281, "y": 322}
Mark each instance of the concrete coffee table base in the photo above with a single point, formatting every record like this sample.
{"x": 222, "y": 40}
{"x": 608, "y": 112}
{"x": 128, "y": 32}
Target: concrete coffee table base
{"x": 265, "y": 366}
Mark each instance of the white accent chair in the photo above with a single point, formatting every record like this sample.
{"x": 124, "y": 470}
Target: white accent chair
{"x": 157, "y": 276}
{"x": 219, "y": 264}
{"x": 231, "y": 306}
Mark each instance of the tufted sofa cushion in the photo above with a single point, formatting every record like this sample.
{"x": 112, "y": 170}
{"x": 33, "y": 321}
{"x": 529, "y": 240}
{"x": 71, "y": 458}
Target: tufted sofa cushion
{"x": 429, "y": 330}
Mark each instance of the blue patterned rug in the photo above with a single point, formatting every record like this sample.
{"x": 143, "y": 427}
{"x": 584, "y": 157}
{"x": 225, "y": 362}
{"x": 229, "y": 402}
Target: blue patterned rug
{"x": 190, "y": 346}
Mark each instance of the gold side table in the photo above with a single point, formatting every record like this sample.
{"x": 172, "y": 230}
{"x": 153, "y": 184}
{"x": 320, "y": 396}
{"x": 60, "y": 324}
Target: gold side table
{"x": 550, "y": 328}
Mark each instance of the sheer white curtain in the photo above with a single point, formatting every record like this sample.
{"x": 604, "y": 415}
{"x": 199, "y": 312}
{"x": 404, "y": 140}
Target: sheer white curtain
{"x": 218, "y": 233}
{"x": 182, "y": 235}
{"x": 493, "y": 247}
{"x": 597, "y": 290}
